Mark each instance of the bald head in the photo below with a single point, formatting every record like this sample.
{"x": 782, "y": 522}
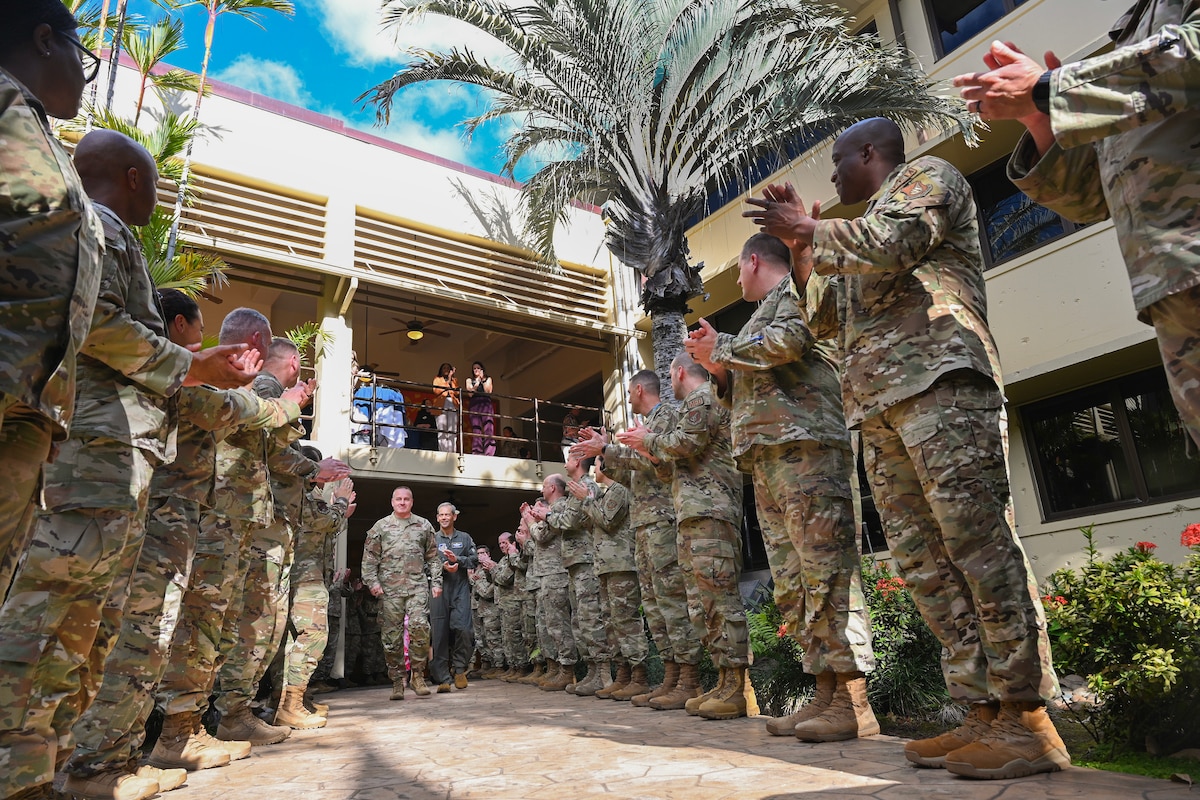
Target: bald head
{"x": 881, "y": 133}
{"x": 863, "y": 157}
{"x": 119, "y": 173}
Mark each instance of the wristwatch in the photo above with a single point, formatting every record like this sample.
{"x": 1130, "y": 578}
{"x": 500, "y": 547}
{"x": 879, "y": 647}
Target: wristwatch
{"x": 1041, "y": 92}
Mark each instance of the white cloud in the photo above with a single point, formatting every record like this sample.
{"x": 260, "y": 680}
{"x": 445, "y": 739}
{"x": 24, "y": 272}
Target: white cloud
{"x": 355, "y": 28}
{"x": 275, "y": 79}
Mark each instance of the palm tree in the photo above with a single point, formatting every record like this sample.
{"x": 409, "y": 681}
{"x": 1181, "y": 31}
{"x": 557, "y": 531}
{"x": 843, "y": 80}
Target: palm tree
{"x": 247, "y": 9}
{"x": 148, "y": 49}
{"x": 652, "y": 106}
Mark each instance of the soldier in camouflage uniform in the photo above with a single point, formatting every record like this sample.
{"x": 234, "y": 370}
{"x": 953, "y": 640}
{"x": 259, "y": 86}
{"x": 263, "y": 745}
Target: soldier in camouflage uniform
{"x": 110, "y": 733}
{"x": 1119, "y": 135}
{"x": 63, "y": 610}
{"x": 556, "y": 639}
{"x": 789, "y": 434}
{"x": 508, "y": 581}
{"x": 652, "y": 513}
{"x": 921, "y": 379}
{"x": 308, "y": 634}
{"x": 488, "y": 642}
{"x": 707, "y": 490}
{"x": 400, "y": 564}
{"x": 589, "y": 612}
{"x": 616, "y": 567}
{"x": 528, "y": 589}
{"x": 50, "y": 245}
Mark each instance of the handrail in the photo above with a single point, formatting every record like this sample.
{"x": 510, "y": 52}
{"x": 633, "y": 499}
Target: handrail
{"x": 380, "y": 395}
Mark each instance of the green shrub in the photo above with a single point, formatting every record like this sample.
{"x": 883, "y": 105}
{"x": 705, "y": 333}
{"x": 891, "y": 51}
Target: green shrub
{"x": 1131, "y": 625}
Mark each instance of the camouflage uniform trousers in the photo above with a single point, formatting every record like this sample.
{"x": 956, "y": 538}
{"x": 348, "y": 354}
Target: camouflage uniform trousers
{"x": 802, "y": 493}
{"x": 391, "y": 622}
{"x": 1176, "y": 320}
{"x": 555, "y": 633}
{"x": 63, "y": 610}
{"x": 252, "y": 636}
{"x": 710, "y": 553}
{"x": 25, "y": 439}
{"x": 626, "y": 631}
{"x": 529, "y": 625}
{"x": 333, "y": 626}
{"x": 937, "y": 472}
{"x": 308, "y": 634}
{"x": 589, "y": 613}
{"x": 657, "y": 552}
{"x": 214, "y": 595}
{"x": 512, "y": 612}
{"x": 491, "y": 641}
{"x": 113, "y": 729}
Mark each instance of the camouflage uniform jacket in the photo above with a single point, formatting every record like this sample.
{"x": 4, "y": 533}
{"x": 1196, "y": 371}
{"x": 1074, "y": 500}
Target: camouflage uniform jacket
{"x": 127, "y": 357}
{"x": 483, "y": 587}
{"x": 783, "y": 382}
{"x": 706, "y": 481}
{"x": 571, "y": 519}
{"x": 202, "y": 412}
{"x": 652, "y": 499}
{"x": 1127, "y": 144}
{"x": 401, "y": 556}
{"x": 912, "y": 300}
{"x": 525, "y": 579}
{"x": 547, "y": 555}
{"x": 320, "y": 522}
{"x": 289, "y": 467}
{"x": 50, "y": 247}
{"x": 504, "y": 577}
{"x": 612, "y": 533}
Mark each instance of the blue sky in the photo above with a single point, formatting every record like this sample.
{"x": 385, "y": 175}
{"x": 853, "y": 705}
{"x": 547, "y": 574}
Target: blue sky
{"x": 330, "y": 52}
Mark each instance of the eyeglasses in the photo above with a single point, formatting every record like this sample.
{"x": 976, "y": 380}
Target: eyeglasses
{"x": 90, "y": 61}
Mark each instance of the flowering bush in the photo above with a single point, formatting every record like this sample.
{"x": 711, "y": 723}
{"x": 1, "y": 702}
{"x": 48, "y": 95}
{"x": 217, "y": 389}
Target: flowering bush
{"x": 1191, "y": 535}
{"x": 1131, "y": 624}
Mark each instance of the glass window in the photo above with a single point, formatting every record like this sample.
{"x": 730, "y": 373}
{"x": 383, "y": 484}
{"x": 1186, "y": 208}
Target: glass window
{"x": 954, "y": 22}
{"x": 1114, "y": 445}
{"x": 1010, "y": 223}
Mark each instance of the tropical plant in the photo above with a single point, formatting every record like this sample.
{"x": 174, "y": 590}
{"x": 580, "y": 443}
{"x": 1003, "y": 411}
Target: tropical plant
{"x": 649, "y": 108}
{"x": 251, "y": 10}
{"x": 147, "y": 49}
{"x": 310, "y": 339}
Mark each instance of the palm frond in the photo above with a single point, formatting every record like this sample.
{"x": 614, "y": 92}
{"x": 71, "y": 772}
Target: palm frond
{"x": 310, "y": 339}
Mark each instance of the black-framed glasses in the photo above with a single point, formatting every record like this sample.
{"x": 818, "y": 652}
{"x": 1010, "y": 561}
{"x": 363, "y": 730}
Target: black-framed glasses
{"x": 90, "y": 61}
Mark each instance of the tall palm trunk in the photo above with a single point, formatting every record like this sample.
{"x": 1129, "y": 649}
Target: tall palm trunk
{"x": 667, "y": 332}
{"x": 100, "y": 38}
{"x": 177, "y": 214}
{"x": 115, "y": 54}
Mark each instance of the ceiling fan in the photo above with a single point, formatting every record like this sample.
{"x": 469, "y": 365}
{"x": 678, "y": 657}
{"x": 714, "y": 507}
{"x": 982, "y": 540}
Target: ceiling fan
{"x": 415, "y": 330}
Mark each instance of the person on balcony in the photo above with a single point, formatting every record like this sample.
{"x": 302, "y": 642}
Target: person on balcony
{"x": 482, "y": 411}
{"x": 447, "y": 402}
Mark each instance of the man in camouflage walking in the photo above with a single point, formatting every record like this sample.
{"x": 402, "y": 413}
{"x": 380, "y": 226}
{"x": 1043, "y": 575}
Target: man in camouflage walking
{"x": 1119, "y": 135}
{"x": 707, "y": 490}
{"x": 554, "y": 632}
{"x": 510, "y": 591}
{"x": 402, "y": 567}
{"x": 921, "y": 379}
{"x": 789, "y": 434}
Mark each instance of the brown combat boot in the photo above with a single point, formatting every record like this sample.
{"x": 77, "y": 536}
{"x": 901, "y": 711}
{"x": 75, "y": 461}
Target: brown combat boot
{"x": 687, "y": 687}
{"x": 397, "y": 689}
{"x": 621, "y": 681}
{"x": 167, "y": 779}
{"x": 313, "y": 706}
{"x": 551, "y": 673}
{"x": 417, "y": 681}
{"x": 670, "y": 678}
{"x": 460, "y": 681}
{"x": 598, "y": 676}
{"x": 293, "y": 714}
{"x": 735, "y": 700}
{"x": 539, "y": 672}
{"x": 241, "y": 725}
{"x": 932, "y": 752}
{"x": 1021, "y": 741}
{"x": 692, "y": 706}
{"x": 786, "y": 726}
{"x": 184, "y": 744}
{"x": 638, "y": 685}
{"x": 114, "y": 784}
{"x": 848, "y": 715}
{"x": 566, "y": 674}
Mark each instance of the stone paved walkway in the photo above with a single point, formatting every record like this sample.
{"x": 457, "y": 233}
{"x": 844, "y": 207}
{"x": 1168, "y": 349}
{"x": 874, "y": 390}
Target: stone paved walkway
{"x": 499, "y": 740}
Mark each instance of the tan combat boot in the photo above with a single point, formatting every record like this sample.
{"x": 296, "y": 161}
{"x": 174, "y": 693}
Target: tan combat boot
{"x": 692, "y": 706}
{"x": 670, "y": 678}
{"x": 397, "y": 689}
{"x": 184, "y": 744}
{"x": 620, "y": 682}
{"x": 417, "y": 681}
{"x": 312, "y": 705}
{"x": 570, "y": 687}
{"x": 566, "y": 674}
{"x": 551, "y": 673}
{"x": 848, "y": 715}
{"x": 685, "y": 689}
{"x": 241, "y": 725}
{"x": 539, "y": 672}
{"x": 932, "y": 752}
{"x": 1021, "y": 741}
{"x": 167, "y": 779}
{"x": 598, "y": 676}
{"x": 735, "y": 700}
{"x": 292, "y": 713}
{"x": 638, "y": 685}
{"x": 786, "y": 726}
{"x": 115, "y": 784}
{"x": 460, "y": 681}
